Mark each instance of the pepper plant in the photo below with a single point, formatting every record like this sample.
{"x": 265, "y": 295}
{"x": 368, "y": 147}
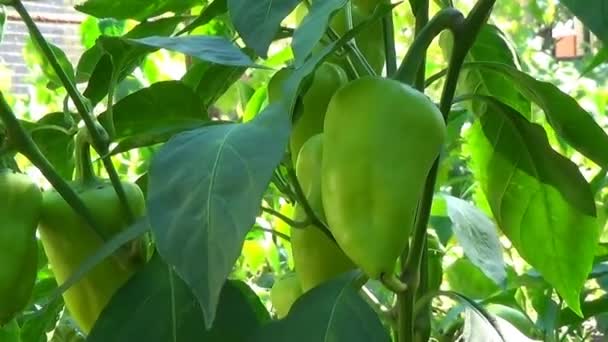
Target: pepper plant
{"x": 305, "y": 176}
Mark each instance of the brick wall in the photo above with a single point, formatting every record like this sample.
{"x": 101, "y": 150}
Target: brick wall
{"x": 59, "y": 23}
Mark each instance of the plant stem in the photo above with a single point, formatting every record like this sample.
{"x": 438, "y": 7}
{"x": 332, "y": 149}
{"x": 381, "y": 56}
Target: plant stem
{"x": 286, "y": 219}
{"x": 389, "y": 44}
{"x": 100, "y": 139}
{"x": 448, "y": 18}
{"x": 465, "y": 34}
{"x": 274, "y": 232}
{"x": 301, "y": 198}
{"x": 411, "y": 272}
{"x": 84, "y": 167}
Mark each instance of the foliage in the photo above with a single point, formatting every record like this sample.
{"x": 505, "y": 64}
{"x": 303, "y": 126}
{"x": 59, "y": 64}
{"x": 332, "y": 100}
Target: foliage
{"x": 508, "y": 239}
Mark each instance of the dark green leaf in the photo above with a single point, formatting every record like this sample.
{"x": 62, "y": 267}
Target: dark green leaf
{"x": 538, "y": 197}
{"x": 564, "y": 114}
{"x": 478, "y": 237}
{"x": 593, "y": 13}
{"x": 258, "y": 21}
{"x": 206, "y": 187}
{"x": 133, "y": 9}
{"x": 333, "y": 311}
{"x": 156, "y": 305}
{"x": 313, "y": 27}
{"x": 210, "y": 81}
{"x": 214, "y": 49}
{"x": 163, "y": 109}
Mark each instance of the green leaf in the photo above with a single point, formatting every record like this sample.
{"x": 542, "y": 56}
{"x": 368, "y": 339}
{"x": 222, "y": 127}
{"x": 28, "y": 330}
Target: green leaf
{"x": 313, "y": 27}
{"x": 468, "y": 279}
{"x": 600, "y": 58}
{"x": 10, "y": 332}
{"x": 210, "y": 12}
{"x": 35, "y": 57}
{"x": 478, "y": 237}
{"x": 333, "y": 311}
{"x": 210, "y": 81}
{"x": 491, "y": 45}
{"x": 213, "y": 49}
{"x": 258, "y": 21}
{"x": 97, "y": 71}
{"x": 563, "y": 113}
{"x": 56, "y": 145}
{"x": 134, "y": 9}
{"x": 206, "y": 187}
{"x": 538, "y": 197}
{"x": 593, "y": 13}
{"x": 156, "y": 305}
{"x": 154, "y": 114}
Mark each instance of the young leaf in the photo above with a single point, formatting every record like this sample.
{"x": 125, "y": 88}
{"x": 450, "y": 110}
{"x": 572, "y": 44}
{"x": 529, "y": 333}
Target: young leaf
{"x": 156, "y": 305}
{"x": 258, "y": 21}
{"x": 538, "y": 197}
{"x": 477, "y": 235}
{"x": 333, "y": 311}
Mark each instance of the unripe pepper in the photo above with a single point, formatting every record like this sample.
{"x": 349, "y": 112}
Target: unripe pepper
{"x": 309, "y": 117}
{"x": 20, "y": 209}
{"x": 68, "y": 240}
{"x": 380, "y": 140}
{"x": 317, "y": 258}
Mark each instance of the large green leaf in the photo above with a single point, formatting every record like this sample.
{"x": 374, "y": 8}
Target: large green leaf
{"x": 258, "y": 21}
{"x": 133, "y": 9}
{"x": 563, "y": 113}
{"x": 156, "y": 305}
{"x": 538, "y": 197}
{"x": 593, "y": 13}
{"x": 206, "y": 187}
{"x": 333, "y": 311}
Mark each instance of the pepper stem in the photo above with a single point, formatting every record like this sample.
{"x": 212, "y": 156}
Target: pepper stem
{"x": 84, "y": 165}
